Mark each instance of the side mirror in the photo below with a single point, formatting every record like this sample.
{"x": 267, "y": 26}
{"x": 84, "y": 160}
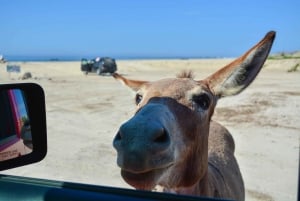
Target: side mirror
{"x": 23, "y": 138}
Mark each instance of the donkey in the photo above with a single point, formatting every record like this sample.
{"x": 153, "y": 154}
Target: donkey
{"x": 171, "y": 140}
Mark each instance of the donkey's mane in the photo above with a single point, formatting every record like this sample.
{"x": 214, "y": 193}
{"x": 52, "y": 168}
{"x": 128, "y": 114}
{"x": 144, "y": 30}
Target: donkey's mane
{"x": 186, "y": 74}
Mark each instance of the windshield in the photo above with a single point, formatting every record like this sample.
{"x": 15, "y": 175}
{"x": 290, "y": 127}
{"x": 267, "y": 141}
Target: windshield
{"x": 150, "y": 41}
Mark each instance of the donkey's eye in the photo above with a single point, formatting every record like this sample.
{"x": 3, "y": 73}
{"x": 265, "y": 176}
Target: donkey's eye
{"x": 138, "y": 98}
{"x": 202, "y": 101}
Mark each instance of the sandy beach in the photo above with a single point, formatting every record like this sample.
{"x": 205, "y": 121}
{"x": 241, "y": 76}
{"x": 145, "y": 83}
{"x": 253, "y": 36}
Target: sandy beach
{"x": 85, "y": 112}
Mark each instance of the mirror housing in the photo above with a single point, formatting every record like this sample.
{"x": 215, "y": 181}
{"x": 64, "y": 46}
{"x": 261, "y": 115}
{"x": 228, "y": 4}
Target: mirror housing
{"x": 33, "y": 99}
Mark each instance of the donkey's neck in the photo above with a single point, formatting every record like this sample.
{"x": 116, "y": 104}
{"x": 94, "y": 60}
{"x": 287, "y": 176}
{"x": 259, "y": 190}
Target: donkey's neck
{"x": 200, "y": 188}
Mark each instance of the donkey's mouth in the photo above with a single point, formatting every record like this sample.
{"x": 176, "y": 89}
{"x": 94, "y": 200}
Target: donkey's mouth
{"x": 143, "y": 180}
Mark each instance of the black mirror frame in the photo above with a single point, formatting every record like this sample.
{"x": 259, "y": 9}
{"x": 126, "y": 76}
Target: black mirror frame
{"x": 35, "y": 98}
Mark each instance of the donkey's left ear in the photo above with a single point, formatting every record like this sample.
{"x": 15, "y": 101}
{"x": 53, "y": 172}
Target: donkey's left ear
{"x": 235, "y": 77}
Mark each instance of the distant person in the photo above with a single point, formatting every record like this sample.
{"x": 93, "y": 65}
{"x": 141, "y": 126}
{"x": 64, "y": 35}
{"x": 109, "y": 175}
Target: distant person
{"x": 2, "y": 60}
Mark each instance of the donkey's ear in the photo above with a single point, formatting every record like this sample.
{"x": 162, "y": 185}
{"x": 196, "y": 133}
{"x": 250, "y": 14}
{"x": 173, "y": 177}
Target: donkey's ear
{"x": 235, "y": 77}
{"x": 133, "y": 84}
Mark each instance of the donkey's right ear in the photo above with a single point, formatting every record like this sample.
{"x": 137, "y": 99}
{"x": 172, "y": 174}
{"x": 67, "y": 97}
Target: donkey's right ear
{"x": 135, "y": 85}
{"x": 235, "y": 77}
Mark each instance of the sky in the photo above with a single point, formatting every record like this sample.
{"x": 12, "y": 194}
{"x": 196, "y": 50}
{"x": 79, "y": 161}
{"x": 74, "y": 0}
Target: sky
{"x": 146, "y": 28}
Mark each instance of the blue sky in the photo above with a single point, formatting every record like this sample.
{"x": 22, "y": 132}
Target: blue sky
{"x": 159, "y": 28}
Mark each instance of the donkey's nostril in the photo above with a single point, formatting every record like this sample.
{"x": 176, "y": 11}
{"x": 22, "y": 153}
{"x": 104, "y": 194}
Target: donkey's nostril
{"x": 161, "y": 137}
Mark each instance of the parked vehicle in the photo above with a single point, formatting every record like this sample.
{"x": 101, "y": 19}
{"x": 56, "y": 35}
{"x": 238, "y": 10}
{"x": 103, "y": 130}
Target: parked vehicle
{"x": 101, "y": 66}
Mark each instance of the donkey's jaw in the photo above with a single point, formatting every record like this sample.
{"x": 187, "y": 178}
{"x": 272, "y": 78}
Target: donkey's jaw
{"x": 144, "y": 180}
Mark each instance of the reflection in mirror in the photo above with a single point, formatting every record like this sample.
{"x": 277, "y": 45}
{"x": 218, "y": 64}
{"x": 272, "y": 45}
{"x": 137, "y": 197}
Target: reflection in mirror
{"x": 15, "y": 131}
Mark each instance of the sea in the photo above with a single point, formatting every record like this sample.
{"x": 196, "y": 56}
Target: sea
{"x": 13, "y": 58}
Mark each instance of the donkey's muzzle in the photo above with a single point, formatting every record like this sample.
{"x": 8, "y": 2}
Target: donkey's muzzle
{"x": 143, "y": 143}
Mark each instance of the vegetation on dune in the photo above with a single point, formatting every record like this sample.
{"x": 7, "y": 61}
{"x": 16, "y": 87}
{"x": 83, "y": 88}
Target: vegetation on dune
{"x": 294, "y": 68}
{"x": 285, "y": 55}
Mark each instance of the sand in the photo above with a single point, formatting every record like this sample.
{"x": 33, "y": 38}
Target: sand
{"x": 85, "y": 112}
